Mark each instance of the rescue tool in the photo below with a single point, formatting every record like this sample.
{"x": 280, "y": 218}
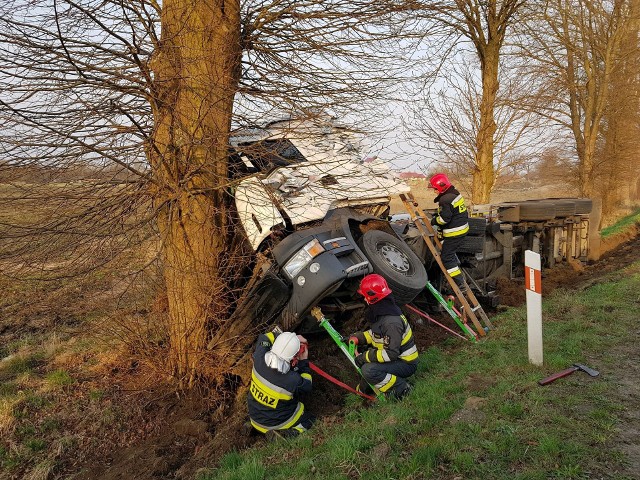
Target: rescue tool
{"x": 348, "y": 350}
{"x": 449, "y": 308}
{"x": 334, "y": 380}
{"x": 573, "y": 368}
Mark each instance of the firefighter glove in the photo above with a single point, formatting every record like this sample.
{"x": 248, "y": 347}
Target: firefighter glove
{"x": 359, "y": 337}
{"x": 434, "y": 221}
{"x": 361, "y": 359}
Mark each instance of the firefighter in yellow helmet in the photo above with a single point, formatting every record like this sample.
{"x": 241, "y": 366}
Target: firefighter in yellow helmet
{"x": 388, "y": 352}
{"x": 280, "y": 374}
{"x": 452, "y": 219}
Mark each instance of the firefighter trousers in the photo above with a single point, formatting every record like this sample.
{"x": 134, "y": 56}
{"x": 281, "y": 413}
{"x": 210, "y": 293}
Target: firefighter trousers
{"x": 389, "y": 376}
{"x": 450, "y": 246}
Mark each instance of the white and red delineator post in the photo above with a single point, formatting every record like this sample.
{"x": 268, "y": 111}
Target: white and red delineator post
{"x": 533, "y": 285}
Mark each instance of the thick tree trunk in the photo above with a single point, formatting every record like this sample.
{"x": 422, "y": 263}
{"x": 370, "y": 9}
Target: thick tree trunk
{"x": 618, "y": 169}
{"x": 484, "y": 174}
{"x": 587, "y": 167}
{"x": 196, "y": 76}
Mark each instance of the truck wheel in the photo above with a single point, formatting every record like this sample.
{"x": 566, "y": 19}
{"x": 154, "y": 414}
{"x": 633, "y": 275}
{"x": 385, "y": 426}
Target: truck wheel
{"x": 583, "y": 206}
{"x": 472, "y": 244}
{"x": 477, "y": 226}
{"x": 537, "y": 210}
{"x": 396, "y": 262}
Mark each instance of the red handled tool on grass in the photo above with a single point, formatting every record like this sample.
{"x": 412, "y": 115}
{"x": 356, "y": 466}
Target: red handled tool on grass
{"x": 573, "y": 368}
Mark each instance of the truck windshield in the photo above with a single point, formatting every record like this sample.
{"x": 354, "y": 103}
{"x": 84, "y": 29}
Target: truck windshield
{"x": 268, "y": 154}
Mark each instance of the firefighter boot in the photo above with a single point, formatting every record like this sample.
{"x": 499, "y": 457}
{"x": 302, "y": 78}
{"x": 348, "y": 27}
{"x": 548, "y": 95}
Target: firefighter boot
{"x": 400, "y": 394}
{"x": 364, "y": 387}
{"x": 462, "y": 285}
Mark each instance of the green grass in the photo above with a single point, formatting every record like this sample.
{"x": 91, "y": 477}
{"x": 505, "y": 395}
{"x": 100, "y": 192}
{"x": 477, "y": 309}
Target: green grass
{"x": 622, "y": 224}
{"x": 59, "y": 379}
{"x": 519, "y": 430}
{"x": 19, "y": 365}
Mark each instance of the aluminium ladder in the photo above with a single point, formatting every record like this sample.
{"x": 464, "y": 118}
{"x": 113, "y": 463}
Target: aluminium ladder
{"x": 471, "y": 307}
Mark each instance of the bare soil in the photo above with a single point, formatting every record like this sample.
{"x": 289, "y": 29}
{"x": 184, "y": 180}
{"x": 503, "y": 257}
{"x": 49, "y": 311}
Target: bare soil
{"x": 137, "y": 428}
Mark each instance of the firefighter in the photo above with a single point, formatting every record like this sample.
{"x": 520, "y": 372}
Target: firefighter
{"x": 452, "y": 220}
{"x": 280, "y": 374}
{"x": 394, "y": 355}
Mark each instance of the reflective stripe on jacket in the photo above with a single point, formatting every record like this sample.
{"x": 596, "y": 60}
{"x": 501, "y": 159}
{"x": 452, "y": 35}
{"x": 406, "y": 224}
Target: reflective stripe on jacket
{"x": 392, "y": 339}
{"x": 452, "y": 214}
{"x": 273, "y": 396}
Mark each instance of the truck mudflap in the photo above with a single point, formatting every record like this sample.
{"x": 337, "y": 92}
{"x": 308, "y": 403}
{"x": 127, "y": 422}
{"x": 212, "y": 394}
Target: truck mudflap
{"x": 320, "y": 278}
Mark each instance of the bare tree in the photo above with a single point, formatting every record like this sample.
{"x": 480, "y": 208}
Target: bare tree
{"x": 449, "y": 121}
{"x": 485, "y": 25}
{"x": 573, "y": 50}
{"x": 618, "y": 167}
{"x": 141, "y": 122}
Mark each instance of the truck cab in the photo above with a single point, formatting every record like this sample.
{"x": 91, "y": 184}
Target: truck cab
{"x": 315, "y": 214}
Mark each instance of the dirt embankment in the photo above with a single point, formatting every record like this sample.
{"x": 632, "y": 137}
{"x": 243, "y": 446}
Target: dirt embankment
{"x": 193, "y": 436}
{"x": 127, "y": 427}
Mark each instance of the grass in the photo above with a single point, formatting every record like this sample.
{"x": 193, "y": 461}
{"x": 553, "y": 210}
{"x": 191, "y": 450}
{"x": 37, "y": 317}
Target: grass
{"x": 35, "y": 354}
{"x": 53, "y": 398}
{"x": 517, "y": 430}
{"x": 58, "y": 379}
{"x": 622, "y": 225}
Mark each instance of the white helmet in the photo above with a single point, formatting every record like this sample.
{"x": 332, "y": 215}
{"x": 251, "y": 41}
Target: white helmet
{"x": 282, "y": 352}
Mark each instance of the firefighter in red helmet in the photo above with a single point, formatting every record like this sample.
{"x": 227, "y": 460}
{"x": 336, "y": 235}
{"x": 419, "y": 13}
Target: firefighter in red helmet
{"x": 387, "y": 351}
{"x": 452, "y": 220}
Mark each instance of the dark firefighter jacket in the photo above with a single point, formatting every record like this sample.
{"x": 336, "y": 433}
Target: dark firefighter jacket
{"x": 390, "y": 334}
{"x": 273, "y": 396}
{"x": 452, "y": 214}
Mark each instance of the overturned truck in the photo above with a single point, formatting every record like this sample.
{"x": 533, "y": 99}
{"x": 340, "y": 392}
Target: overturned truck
{"x": 317, "y": 219}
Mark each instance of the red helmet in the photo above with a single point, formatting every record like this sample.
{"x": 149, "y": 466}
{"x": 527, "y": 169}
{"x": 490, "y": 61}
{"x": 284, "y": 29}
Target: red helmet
{"x": 374, "y": 288}
{"x": 440, "y": 182}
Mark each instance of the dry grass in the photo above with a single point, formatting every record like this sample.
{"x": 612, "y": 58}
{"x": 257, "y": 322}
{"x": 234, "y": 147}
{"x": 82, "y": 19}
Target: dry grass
{"x": 7, "y": 417}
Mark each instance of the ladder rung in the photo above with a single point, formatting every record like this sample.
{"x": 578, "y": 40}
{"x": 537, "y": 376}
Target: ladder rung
{"x": 478, "y": 307}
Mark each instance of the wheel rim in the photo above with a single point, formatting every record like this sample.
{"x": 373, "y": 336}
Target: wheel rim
{"x": 395, "y": 257}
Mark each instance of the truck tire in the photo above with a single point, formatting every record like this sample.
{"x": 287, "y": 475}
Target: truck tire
{"x": 396, "y": 262}
{"x": 472, "y": 244}
{"x": 534, "y": 210}
{"x": 477, "y": 226}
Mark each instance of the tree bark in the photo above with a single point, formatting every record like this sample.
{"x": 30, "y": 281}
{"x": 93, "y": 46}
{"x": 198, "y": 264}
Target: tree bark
{"x": 484, "y": 174}
{"x": 196, "y": 71}
{"x": 618, "y": 168}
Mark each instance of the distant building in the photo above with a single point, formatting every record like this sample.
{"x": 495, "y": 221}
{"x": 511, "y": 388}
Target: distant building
{"x": 409, "y": 175}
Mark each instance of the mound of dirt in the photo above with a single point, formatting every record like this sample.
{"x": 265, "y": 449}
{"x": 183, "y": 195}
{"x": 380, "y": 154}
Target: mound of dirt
{"x": 619, "y": 251}
{"x": 193, "y": 435}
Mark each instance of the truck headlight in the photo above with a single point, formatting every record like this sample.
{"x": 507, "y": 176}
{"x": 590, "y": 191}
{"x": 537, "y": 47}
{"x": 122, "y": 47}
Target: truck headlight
{"x": 303, "y": 257}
